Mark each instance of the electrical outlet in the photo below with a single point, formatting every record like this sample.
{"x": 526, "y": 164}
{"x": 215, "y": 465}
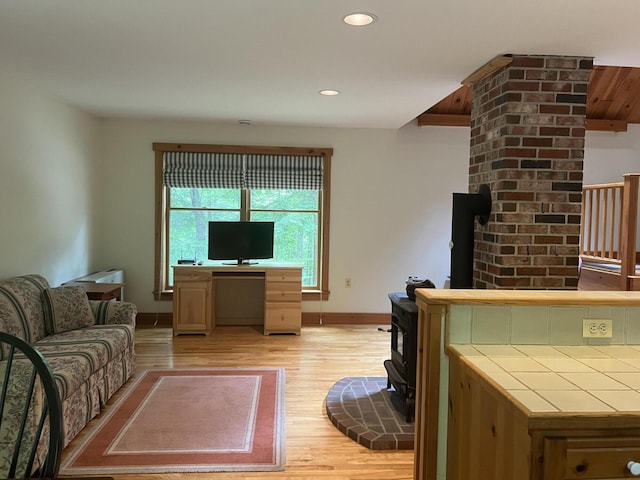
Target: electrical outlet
{"x": 597, "y": 328}
{"x": 347, "y": 283}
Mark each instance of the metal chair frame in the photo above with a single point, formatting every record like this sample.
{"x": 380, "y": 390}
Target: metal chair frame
{"x": 52, "y": 411}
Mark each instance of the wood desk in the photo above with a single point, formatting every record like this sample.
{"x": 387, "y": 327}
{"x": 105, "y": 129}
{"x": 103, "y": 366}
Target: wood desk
{"x": 100, "y": 291}
{"x": 265, "y": 293}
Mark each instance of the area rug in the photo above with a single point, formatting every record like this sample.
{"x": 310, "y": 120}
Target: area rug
{"x": 366, "y": 411}
{"x": 195, "y": 420}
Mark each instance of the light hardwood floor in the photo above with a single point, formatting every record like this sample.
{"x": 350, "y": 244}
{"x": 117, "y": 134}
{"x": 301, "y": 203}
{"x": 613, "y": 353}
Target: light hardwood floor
{"x": 314, "y": 361}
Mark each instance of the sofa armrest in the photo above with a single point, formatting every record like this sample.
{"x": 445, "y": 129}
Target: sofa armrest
{"x": 109, "y": 312}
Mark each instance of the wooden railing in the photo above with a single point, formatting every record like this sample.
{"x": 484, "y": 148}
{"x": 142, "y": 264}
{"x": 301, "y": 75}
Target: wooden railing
{"x": 608, "y": 229}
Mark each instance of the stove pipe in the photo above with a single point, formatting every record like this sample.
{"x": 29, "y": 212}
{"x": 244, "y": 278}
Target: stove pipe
{"x": 466, "y": 206}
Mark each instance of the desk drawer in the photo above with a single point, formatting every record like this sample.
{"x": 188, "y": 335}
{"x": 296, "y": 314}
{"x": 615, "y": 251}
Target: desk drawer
{"x": 284, "y": 275}
{"x": 282, "y": 317}
{"x": 184, "y": 274}
{"x": 283, "y": 292}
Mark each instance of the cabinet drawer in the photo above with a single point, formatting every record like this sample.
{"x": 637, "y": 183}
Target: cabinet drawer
{"x": 282, "y": 317}
{"x": 591, "y": 458}
{"x": 283, "y": 292}
{"x": 186, "y": 274}
{"x": 284, "y": 275}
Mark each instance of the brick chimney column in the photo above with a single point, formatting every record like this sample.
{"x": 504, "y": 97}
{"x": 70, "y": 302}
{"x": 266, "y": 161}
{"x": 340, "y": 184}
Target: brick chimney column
{"x": 527, "y": 144}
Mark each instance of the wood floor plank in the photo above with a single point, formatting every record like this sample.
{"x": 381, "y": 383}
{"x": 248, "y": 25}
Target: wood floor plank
{"x": 313, "y": 361}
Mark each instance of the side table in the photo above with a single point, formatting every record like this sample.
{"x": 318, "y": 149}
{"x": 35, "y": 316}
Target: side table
{"x": 100, "y": 291}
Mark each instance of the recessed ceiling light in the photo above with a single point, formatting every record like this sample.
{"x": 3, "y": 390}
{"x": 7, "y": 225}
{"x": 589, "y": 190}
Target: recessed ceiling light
{"x": 360, "y": 19}
{"x": 328, "y": 93}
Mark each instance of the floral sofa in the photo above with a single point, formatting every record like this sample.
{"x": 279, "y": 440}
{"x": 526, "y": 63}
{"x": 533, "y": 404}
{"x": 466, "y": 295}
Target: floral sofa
{"x": 88, "y": 344}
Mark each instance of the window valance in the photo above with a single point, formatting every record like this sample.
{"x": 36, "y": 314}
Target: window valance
{"x": 250, "y": 171}
{"x": 203, "y": 170}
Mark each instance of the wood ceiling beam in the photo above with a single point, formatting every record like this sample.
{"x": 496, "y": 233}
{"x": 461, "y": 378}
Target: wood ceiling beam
{"x": 461, "y": 120}
{"x": 444, "y": 120}
{"x": 604, "y": 125}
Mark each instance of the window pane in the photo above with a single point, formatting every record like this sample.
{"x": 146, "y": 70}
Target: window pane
{"x": 189, "y": 234}
{"x": 284, "y": 199}
{"x": 296, "y": 240}
{"x": 224, "y": 198}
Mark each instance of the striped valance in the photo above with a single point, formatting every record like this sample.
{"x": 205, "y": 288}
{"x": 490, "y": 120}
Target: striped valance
{"x": 251, "y": 171}
{"x": 284, "y": 172}
{"x": 203, "y": 170}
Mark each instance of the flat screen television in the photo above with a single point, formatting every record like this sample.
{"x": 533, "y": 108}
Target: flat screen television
{"x": 240, "y": 241}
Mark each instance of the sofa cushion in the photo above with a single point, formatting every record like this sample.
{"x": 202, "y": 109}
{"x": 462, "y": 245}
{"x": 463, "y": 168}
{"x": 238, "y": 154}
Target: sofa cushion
{"x": 76, "y": 354}
{"x": 21, "y": 312}
{"x": 66, "y": 308}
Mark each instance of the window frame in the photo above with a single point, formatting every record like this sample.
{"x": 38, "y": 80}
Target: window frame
{"x": 161, "y": 290}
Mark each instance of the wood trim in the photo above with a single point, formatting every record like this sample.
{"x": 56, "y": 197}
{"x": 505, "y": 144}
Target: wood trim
{"x": 459, "y": 296}
{"x": 165, "y": 319}
{"x": 602, "y": 124}
{"x": 326, "y": 215}
{"x": 337, "y": 318}
{"x": 160, "y": 244}
{"x": 157, "y": 319}
{"x": 427, "y": 391}
{"x": 488, "y": 68}
{"x": 464, "y": 120}
{"x": 444, "y": 119}
{"x": 629, "y": 225}
{"x": 206, "y": 148}
{"x": 159, "y": 212}
{"x": 314, "y": 295}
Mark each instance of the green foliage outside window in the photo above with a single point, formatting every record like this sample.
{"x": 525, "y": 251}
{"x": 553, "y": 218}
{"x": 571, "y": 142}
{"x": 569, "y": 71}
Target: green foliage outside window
{"x": 295, "y": 214}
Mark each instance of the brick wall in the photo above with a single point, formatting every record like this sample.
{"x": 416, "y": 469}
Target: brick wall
{"x": 527, "y": 144}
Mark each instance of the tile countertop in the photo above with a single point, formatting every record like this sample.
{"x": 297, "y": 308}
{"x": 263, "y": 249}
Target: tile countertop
{"x": 545, "y": 379}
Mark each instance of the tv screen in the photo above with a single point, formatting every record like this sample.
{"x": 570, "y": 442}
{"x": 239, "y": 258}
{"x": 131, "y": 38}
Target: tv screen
{"x": 240, "y": 241}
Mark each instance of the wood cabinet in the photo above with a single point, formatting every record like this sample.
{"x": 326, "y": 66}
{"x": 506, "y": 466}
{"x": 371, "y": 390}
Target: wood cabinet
{"x": 191, "y": 302}
{"x": 278, "y": 296}
{"x": 492, "y": 436}
{"x": 283, "y": 296}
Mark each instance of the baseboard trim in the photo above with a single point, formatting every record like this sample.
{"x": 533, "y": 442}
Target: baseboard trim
{"x": 165, "y": 319}
{"x": 154, "y": 319}
{"x": 337, "y": 318}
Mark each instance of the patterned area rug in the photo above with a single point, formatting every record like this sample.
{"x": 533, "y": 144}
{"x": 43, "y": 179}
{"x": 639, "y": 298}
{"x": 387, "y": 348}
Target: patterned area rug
{"x": 363, "y": 409}
{"x": 195, "y": 420}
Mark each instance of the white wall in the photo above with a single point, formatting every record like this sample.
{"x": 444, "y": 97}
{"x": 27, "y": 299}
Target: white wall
{"x": 48, "y": 151}
{"x": 390, "y": 199}
{"x": 77, "y": 194}
{"x": 390, "y": 202}
{"x": 609, "y": 155}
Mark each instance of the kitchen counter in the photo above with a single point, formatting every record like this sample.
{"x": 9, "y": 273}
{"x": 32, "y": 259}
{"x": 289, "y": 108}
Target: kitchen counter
{"x": 525, "y": 297}
{"x": 525, "y": 352}
{"x": 565, "y": 379}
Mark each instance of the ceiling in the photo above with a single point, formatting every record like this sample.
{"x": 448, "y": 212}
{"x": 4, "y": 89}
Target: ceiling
{"x": 266, "y": 60}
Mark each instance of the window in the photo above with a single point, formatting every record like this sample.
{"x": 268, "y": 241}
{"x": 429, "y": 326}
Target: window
{"x": 243, "y": 183}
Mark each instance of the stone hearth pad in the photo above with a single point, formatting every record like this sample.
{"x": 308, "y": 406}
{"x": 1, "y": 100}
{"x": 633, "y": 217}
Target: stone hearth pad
{"x": 362, "y": 408}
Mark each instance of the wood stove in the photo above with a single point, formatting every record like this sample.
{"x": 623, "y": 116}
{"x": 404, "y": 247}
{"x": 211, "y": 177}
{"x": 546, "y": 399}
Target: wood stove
{"x": 401, "y": 367}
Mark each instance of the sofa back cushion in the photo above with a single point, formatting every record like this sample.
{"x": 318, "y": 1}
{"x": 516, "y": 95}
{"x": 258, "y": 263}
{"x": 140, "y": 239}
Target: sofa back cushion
{"x": 21, "y": 312}
{"x": 66, "y": 308}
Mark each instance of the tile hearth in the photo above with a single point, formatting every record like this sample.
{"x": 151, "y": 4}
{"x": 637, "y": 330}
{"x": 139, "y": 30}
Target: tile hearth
{"x": 362, "y": 408}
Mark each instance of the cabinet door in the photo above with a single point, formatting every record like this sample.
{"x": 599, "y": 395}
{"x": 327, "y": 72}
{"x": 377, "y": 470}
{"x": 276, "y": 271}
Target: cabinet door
{"x": 589, "y": 457}
{"x": 191, "y": 307}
